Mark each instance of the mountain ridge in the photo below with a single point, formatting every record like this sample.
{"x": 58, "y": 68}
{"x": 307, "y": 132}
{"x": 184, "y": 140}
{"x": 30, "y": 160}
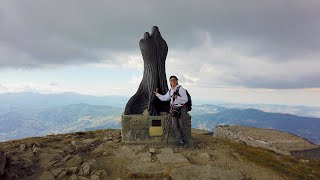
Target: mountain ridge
{"x": 40, "y": 116}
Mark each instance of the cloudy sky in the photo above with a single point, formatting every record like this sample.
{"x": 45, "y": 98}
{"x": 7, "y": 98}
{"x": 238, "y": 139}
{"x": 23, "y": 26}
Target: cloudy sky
{"x": 232, "y": 51}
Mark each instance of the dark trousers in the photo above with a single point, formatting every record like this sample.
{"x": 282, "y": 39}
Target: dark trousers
{"x": 179, "y": 125}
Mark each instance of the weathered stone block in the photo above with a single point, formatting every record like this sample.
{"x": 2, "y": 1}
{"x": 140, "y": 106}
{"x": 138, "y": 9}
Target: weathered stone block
{"x": 136, "y": 127}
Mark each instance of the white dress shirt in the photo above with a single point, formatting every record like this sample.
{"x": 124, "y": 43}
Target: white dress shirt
{"x": 179, "y": 101}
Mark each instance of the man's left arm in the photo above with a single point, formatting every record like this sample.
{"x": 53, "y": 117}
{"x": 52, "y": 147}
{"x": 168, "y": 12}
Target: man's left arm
{"x": 183, "y": 98}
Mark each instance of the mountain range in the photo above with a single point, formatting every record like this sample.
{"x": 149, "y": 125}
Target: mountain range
{"x": 307, "y": 127}
{"x": 33, "y": 114}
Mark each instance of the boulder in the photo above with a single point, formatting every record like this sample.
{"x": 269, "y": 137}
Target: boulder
{"x": 23, "y": 147}
{"x": 74, "y": 161}
{"x": 77, "y": 143}
{"x": 71, "y": 170}
{"x": 82, "y": 178}
{"x": 47, "y": 175}
{"x": 103, "y": 147}
{"x": 66, "y": 158}
{"x": 199, "y": 158}
{"x": 94, "y": 177}
{"x": 100, "y": 173}
{"x": 62, "y": 175}
{"x": 108, "y": 138}
{"x": 47, "y": 160}
{"x": 85, "y": 169}
{"x": 90, "y": 141}
{"x": 73, "y": 177}
{"x": 69, "y": 149}
{"x": 52, "y": 151}
{"x": 36, "y": 149}
{"x": 28, "y": 157}
{"x": 81, "y": 146}
{"x": 56, "y": 171}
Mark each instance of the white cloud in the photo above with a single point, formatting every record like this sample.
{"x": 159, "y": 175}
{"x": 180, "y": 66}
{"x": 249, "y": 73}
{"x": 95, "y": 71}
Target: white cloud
{"x": 54, "y": 83}
{"x": 52, "y": 88}
{"x": 217, "y": 66}
{"x": 32, "y": 87}
{"x": 3, "y": 88}
{"x": 124, "y": 60}
{"x": 136, "y": 80}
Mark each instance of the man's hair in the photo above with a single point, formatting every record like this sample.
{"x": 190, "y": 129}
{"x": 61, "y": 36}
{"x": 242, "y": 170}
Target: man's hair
{"x": 173, "y": 77}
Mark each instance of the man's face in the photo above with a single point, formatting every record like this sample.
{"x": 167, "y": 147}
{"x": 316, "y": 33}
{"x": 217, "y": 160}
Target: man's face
{"x": 173, "y": 82}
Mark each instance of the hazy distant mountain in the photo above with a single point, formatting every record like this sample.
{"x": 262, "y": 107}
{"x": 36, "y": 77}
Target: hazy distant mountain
{"x": 296, "y": 110}
{"x": 34, "y": 114}
{"x": 304, "y": 126}
{"x": 61, "y": 119}
{"x": 206, "y": 109}
{"x": 11, "y": 101}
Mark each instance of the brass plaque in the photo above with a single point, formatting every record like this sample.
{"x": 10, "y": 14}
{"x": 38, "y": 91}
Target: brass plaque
{"x": 155, "y": 131}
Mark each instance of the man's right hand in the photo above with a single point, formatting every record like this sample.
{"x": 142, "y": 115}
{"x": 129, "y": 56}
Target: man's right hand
{"x": 156, "y": 91}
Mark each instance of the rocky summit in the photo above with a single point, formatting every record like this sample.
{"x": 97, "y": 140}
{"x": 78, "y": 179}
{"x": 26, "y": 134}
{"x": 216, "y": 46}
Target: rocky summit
{"x": 101, "y": 154}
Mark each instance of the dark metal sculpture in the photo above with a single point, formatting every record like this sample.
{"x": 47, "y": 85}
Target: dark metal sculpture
{"x": 154, "y": 50}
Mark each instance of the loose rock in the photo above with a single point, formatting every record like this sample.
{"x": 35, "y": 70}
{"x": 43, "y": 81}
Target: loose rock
{"x": 47, "y": 175}
{"x": 74, "y": 161}
{"x": 94, "y": 177}
{"x": 71, "y": 170}
{"x": 85, "y": 169}
{"x": 56, "y": 172}
{"x": 66, "y": 158}
{"x": 73, "y": 177}
{"x": 23, "y": 147}
{"x": 82, "y": 178}
{"x": 62, "y": 175}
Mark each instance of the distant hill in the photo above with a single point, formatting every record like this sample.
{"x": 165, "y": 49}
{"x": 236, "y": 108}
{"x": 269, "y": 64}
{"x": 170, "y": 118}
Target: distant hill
{"x": 23, "y": 100}
{"x": 276, "y": 108}
{"x": 60, "y": 119}
{"x": 11, "y": 101}
{"x": 306, "y": 127}
{"x": 34, "y": 114}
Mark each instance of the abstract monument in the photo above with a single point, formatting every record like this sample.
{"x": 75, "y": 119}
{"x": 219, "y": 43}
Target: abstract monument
{"x": 154, "y": 51}
{"x": 136, "y": 124}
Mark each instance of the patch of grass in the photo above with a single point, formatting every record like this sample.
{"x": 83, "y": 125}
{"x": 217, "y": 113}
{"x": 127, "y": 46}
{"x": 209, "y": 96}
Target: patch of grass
{"x": 286, "y": 166}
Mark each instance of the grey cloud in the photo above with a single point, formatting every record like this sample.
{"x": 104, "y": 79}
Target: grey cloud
{"x": 271, "y": 79}
{"x": 40, "y": 33}
{"x": 229, "y": 68}
{"x": 60, "y": 32}
{"x": 257, "y": 82}
{"x": 262, "y": 82}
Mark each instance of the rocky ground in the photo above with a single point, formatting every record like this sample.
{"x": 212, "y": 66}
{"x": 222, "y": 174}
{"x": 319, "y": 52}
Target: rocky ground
{"x": 102, "y": 155}
{"x": 288, "y": 142}
{"x": 274, "y": 140}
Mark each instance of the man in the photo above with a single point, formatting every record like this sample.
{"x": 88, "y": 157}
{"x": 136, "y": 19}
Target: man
{"x": 178, "y": 108}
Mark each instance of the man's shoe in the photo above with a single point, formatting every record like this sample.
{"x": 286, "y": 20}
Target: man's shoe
{"x": 180, "y": 143}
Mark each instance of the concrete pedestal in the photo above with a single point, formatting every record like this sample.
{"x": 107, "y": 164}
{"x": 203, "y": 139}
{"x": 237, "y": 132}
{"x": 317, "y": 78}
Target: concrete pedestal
{"x": 136, "y": 128}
